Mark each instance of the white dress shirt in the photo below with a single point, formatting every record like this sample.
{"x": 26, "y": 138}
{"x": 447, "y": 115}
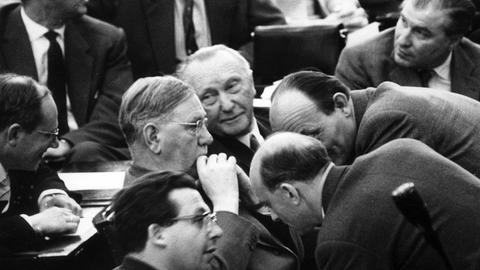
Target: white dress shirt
{"x": 441, "y": 77}
{"x": 40, "y": 45}
{"x": 245, "y": 139}
{"x": 200, "y": 22}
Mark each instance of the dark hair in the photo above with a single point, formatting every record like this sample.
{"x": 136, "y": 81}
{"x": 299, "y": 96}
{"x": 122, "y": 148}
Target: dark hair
{"x": 460, "y": 12}
{"x": 293, "y": 162}
{"x": 316, "y": 85}
{"x": 144, "y": 203}
{"x": 20, "y": 101}
{"x": 150, "y": 98}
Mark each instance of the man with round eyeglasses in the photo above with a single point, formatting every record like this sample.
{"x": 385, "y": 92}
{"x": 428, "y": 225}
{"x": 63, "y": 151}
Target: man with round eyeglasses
{"x": 162, "y": 222}
{"x": 164, "y": 125}
{"x": 33, "y": 200}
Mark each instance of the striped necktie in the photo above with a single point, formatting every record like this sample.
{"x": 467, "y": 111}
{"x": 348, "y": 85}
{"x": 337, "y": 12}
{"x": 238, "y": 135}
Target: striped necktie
{"x": 189, "y": 28}
{"x": 4, "y": 194}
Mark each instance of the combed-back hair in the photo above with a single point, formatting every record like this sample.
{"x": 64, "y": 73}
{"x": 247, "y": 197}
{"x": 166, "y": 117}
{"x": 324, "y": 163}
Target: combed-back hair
{"x": 20, "y": 101}
{"x": 144, "y": 203}
{"x": 317, "y": 86}
{"x": 150, "y": 98}
{"x": 459, "y": 12}
{"x": 293, "y": 162}
{"x": 207, "y": 53}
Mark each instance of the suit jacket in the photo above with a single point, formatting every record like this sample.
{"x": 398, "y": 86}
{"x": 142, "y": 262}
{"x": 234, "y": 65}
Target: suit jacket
{"x": 245, "y": 243}
{"x": 233, "y": 147}
{"x": 131, "y": 263}
{"x": 149, "y": 26}
{"x": 370, "y": 63}
{"x": 362, "y": 228}
{"x": 98, "y": 71}
{"x": 447, "y": 122}
{"x": 15, "y": 232}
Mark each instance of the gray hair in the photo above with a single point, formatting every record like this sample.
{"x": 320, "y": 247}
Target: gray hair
{"x": 208, "y": 53}
{"x": 150, "y": 98}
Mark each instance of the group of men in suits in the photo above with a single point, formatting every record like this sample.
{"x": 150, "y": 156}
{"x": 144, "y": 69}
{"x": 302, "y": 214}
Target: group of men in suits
{"x": 359, "y": 225}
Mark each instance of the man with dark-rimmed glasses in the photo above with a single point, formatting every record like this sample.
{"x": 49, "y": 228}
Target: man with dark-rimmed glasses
{"x": 162, "y": 222}
{"x": 33, "y": 200}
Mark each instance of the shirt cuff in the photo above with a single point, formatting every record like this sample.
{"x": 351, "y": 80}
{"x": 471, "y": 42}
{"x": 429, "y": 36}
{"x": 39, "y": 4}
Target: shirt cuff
{"x": 37, "y": 229}
{"x": 50, "y": 192}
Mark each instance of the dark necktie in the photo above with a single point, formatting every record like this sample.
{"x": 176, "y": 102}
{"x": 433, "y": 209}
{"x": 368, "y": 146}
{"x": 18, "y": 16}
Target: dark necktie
{"x": 254, "y": 145}
{"x": 425, "y": 76}
{"x": 57, "y": 79}
{"x": 189, "y": 28}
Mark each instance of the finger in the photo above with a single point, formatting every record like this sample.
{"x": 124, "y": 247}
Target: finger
{"x": 201, "y": 162}
{"x": 222, "y": 157}
{"x": 212, "y": 159}
{"x": 71, "y": 227}
{"x": 232, "y": 161}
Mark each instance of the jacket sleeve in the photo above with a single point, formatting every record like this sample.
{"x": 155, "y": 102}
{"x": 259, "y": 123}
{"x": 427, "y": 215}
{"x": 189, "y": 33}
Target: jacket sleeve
{"x": 116, "y": 76}
{"x": 15, "y": 235}
{"x": 237, "y": 243}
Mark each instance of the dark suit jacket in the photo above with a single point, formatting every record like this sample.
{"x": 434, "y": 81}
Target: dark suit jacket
{"x": 15, "y": 232}
{"x": 98, "y": 71}
{"x": 149, "y": 26}
{"x": 245, "y": 243}
{"x": 233, "y": 147}
{"x": 447, "y": 122}
{"x": 362, "y": 228}
{"x": 371, "y": 63}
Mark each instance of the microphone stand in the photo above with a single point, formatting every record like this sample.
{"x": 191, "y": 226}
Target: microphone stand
{"x": 411, "y": 205}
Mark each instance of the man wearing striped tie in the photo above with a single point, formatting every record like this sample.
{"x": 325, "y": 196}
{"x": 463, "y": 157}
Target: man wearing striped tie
{"x": 28, "y": 126}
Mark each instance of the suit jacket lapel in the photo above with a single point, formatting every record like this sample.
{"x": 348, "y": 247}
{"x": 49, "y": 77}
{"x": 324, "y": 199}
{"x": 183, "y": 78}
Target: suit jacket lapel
{"x": 461, "y": 70}
{"x": 15, "y": 46}
{"x": 404, "y": 76}
{"x": 79, "y": 64}
{"x": 161, "y": 23}
{"x": 220, "y": 14}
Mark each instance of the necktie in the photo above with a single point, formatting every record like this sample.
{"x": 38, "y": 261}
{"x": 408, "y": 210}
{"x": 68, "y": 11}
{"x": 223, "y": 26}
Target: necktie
{"x": 425, "y": 76}
{"x": 4, "y": 194}
{"x": 254, "y": 144}
{"x": 189, "y": 28}
{"x": 56, "y": 79}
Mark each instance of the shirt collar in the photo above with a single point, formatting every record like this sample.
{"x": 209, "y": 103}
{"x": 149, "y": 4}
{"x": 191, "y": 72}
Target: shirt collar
{"x": 245, "y": 139}
{"x": 3, "y": 172}
{"x": 444, "y": 69}
{"x": 35, "y": 30}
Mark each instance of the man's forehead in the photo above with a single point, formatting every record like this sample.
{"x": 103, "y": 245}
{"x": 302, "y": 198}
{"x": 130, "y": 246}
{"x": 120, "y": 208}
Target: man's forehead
{"x": 188, "y": 201}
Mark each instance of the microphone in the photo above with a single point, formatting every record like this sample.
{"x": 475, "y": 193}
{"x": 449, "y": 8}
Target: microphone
{"x": 413, "y": 208}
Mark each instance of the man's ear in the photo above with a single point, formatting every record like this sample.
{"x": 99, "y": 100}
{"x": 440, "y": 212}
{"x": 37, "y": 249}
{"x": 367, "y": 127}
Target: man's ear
{"x": 14, "y": 133}
{"x": 152, "y": 139}
{"x": 156, "y": 235}
{"x": 289, "y": 193}
{"x": 342, "y": 103}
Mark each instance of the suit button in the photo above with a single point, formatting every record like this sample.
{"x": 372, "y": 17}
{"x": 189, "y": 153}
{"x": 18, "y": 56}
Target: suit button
{"x": 31, "y": 186}
{"x": 30, "y": 197}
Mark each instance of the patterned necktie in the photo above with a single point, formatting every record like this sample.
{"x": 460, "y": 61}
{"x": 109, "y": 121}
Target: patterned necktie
{"x": 189, "y": 28}
{"x": 254, "y": 144}
{"x": 4, "y": 194}
{"x": 57, "y": 79}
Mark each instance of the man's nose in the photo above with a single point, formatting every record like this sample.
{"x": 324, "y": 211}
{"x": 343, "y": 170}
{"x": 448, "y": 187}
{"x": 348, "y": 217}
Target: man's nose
{"x": 215, "y": 231}
{"x": 226, "y": 102}
{"x": 205, "y": 138}
{"x": 54, "y": 143}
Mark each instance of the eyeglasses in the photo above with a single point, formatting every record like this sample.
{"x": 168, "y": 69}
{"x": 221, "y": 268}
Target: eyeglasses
{"x": 195, "y": 127}
{"x": 207, "y": 218}
{"x": 55, "y": 132}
